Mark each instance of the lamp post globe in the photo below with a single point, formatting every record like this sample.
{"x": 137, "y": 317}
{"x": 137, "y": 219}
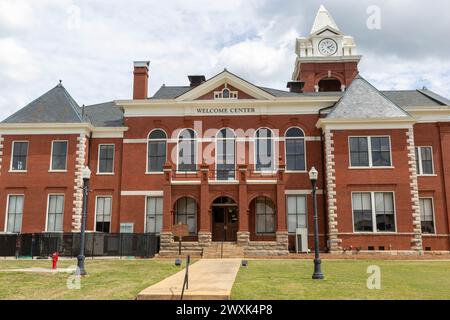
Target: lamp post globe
{"x": 86, "y": 175}
{"x": 313, "y": 175}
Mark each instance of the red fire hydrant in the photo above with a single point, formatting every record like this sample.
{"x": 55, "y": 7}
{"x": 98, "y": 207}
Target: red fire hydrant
{"x": 55, "y": 257}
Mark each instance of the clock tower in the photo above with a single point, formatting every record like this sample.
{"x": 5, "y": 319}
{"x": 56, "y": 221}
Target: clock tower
{"x": 327, "y": 60}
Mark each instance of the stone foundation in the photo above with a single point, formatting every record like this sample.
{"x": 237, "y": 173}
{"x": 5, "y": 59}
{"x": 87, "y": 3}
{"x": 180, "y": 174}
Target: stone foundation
{"x": 243, "y": 238}
{"x": 204, "y": 238}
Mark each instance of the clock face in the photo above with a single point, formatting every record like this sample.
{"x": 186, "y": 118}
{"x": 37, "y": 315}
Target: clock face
{"x": 327, "y": 47}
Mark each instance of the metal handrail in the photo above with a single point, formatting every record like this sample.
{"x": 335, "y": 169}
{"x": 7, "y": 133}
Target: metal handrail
{"x": 186, "y": 277}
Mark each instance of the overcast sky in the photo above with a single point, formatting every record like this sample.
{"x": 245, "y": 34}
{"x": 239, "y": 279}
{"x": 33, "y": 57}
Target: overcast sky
{"x": 91, "y": 45}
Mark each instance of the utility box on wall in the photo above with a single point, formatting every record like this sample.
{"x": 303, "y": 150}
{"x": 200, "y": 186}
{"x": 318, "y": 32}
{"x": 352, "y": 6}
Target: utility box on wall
{"x": 301, "y": 240}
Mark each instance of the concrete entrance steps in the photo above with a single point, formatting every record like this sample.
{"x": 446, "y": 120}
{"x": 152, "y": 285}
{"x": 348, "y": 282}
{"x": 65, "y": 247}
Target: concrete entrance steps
{"x": 209, "y": 279}
{"x": 229, "y": 250}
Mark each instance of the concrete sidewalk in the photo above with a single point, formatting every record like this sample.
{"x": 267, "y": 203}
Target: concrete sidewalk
{"x": 209, "y": 279}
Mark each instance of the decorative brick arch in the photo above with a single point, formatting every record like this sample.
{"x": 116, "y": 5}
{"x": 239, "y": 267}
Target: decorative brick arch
{"x": 261, "y": 194}
{"x": 323, "y": 75}
{"x": 222, "y": 194}
{"x": 184, "y": 196}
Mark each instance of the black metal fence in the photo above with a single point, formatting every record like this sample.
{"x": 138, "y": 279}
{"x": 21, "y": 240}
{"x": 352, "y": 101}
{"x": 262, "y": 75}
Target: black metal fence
{"x": 68, "y": 244}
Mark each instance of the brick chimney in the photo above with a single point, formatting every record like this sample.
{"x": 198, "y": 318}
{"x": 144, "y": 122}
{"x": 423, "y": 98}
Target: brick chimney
{"x": 140, "y": 82}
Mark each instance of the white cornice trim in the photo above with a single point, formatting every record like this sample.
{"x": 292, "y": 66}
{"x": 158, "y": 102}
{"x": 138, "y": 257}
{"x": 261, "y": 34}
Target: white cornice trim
{"x": 221, "y": 78}
{"x": 361, "y": 124}
{"x": 151, "y": 193}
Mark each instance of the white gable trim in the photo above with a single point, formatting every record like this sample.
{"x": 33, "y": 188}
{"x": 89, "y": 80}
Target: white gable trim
{"x": 218, "y": 80}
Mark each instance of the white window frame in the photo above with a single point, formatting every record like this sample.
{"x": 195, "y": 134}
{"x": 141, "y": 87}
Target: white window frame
{"x": 145, "y": 211}
{"x": 434, "y": 216}
{"x": 95, "y": 210}
{"x": 374, "y": 213}
{"x": 275, "y": 152}
{"x": 46, "y": 213}
{"x": 12, "y": 157}
{"x": 420, "y": 169}
{"x": 219, "y": 94}
{"x": 51, "y": 156}
{"x": 127, "y": 224}
{"x": 157, "y": 140}
{"x": 369, "y": 150}
{"x": 7, "y": 209}
{"x": 304, "y": 147}
{"x": 235, "y": 153}
{"x": 287, "y": 210}
{"x": 113, "y": 160}
{"x": 196, "y": 140}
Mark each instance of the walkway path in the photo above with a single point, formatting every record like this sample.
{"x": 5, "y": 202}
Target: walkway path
{"x": 209, "y": 279}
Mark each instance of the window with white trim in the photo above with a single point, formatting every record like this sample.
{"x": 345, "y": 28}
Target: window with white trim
{"x": 370, "y": 151}
{"x": 156, "y": 157}
{"x": 295, "y": 150}
{"x": 19, "y": 155}
{"x": 265, "y": 155}
{"x": 424, "y": 160}
{"x": 427, "y": 215}
{"x": 373, "y": 211}
{"x": 225, "y": 154}
{"x": 55, "y": 213}
{"x": 225, "y": 94}
{"x": 15, "y": 213}
{"x": 126, "y": 227}
{"x": 186, "y": 213}
{"x": 59, "y": 156}
{"x": 296, "y": 212}
{"x": 103, "y": 211}
{"x": 265, "y": 215}
{"x": 106, "y": 158}
{"x": 187, "y": 151}
{"x": 154, "y": 215}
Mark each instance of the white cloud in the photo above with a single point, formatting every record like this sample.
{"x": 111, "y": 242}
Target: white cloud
{"x": 16, "y": 63}
{"x": 252, "y": 38}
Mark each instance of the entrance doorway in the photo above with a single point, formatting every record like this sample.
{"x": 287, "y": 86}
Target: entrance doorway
{"x": 224, "y": 219}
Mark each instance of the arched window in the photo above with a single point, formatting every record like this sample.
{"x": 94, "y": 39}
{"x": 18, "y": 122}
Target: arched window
{"x": 265, "y": 157}
{"x": 225, "y": 93}
{"x": 295, "y": 150}
{"x": 265, "y": 215}
{"x": 225, "y": 154}
{"x": 186, "y": 213}
{"x": 329, "y": 85}
{"x": 156, "y": 150}
{"x": 187, "y": 151}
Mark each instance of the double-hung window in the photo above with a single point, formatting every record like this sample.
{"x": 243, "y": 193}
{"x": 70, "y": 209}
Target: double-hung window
{"x": 15, "y": 213}
{"x": 265, "y": 153}
{"x": 106, "y": 159}
{"x": 55, "y": 213}
{"x": 225, "y": 154}
{"x": 154, "y": 215}
{"x": 295, "y": 150}
{"x": 370, "y": 152}
{"x": 296, "y": 212}
{"x": 156, "y": 151}
{"x": 424, "y": 160}
{"x": 187, "y": 151}
{"x": 103, "y": 210}
{"x": 59, "y": 156}
{"x": 19, "y": 156}
{"x": 373, "y": 211}
{"x": 427, "y": 215}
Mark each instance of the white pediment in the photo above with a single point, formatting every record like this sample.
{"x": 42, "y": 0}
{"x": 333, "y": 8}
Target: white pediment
{"x": 228, "y": 78}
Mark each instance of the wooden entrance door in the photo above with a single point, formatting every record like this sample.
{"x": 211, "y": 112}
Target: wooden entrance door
{"x": 225, "y": 223}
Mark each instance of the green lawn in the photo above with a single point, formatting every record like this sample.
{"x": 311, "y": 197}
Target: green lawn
{"x": 291, "y": 279}
{"x": 107, "y": 279}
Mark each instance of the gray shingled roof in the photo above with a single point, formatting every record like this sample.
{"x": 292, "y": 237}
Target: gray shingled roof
{"x": 106, "y": 114}
{"x": 172, "y": 92}
{"x": 54, "y": 106}
{"x": 415, "y": 98}
{"x": 361, "y": 100}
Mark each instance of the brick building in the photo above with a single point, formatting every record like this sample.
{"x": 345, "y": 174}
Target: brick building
{"x": 230, "y": 159}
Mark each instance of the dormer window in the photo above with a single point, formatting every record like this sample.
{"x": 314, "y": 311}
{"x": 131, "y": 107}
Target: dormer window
{"x": 225, "y": 94}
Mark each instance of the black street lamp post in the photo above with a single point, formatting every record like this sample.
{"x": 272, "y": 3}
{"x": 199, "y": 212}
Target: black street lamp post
{"x": 86, "y": 174}
{"x": 313, "y": 174}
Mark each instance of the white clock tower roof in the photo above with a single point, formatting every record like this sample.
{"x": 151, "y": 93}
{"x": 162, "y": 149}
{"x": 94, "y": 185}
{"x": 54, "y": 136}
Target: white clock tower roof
{"x": 323, "y": 19}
